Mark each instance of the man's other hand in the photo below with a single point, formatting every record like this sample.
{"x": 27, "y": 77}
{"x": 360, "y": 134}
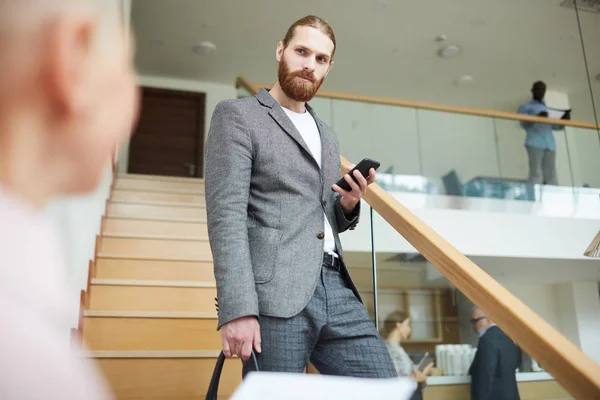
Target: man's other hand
{"x": 240, "y": 336}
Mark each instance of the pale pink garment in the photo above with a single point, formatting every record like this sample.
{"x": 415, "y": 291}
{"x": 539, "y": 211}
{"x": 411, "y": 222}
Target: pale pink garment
{"x": 37, "y": 360}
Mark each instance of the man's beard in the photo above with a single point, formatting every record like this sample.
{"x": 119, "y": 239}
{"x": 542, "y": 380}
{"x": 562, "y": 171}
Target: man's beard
{"x": 295, "y": 88}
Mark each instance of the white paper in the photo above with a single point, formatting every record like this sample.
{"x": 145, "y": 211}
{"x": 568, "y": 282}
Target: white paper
{"x": 279, "y": 386}
{"x": 556, "y": 114}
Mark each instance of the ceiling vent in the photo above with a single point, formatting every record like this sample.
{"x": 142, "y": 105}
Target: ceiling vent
{"x": 583, "y": 5}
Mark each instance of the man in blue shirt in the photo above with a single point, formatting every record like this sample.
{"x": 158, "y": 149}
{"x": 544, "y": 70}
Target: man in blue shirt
{"x": 540, "y": 143}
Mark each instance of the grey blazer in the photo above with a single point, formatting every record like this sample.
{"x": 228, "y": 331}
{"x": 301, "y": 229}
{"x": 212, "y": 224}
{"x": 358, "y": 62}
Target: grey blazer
{"x": 265, "y": 197}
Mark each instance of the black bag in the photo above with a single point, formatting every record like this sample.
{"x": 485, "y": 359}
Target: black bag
{"x": 213, "y": 387}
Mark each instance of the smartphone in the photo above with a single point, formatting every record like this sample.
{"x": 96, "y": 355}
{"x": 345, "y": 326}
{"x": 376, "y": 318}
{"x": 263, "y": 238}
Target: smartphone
{"x": 364, "y": 166}
{"x": 425, "y": 361}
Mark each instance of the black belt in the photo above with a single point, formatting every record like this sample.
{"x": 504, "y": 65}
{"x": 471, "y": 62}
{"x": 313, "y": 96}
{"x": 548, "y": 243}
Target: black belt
{"x": 331, "y": 261}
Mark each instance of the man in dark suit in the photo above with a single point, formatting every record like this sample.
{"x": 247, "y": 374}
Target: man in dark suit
{"x": 274, "y": 218}
{"x": 497, "y": 358}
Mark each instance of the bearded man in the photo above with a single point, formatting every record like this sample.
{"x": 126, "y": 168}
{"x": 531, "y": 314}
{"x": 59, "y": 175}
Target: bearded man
{"x": 274, "y": 214}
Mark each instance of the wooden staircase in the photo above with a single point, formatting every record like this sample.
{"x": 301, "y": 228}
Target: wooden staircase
{"x": 148, "y": 316}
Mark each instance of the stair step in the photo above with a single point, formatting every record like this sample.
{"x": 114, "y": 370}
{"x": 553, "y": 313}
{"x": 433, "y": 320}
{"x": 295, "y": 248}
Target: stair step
{"x": 160, "y": 219}
{"x": 110, "y": 268}
{"x": 140, "y": 333}
{"x": 149, "y": 196}
{"x": 152, "y": 298}
{"x": 149, "y": 211}
{"x": 120, "y": 256}
{"x": 152, "y": 185}
{"x": 185, "y": 229}
{"x": 162, "y": 203}
{"x": 140, "y": 375}
{"x": 157, "y": 237}
{"x": 176, "y": 204}
{"x": 149, "y": 314}
{"x": 150, "y": 283}
{"x": 160, "y": 178}
{"x": 191, "y": 191}
{"x": 155, "y": 354}
{"x": 156, "y": 248}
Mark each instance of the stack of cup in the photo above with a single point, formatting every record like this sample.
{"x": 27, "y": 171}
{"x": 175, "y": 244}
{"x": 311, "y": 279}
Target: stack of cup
{"x": 455, "y": 359}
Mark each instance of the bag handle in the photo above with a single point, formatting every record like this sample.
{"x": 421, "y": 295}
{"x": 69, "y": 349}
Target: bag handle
{"x": 213, "y": 387}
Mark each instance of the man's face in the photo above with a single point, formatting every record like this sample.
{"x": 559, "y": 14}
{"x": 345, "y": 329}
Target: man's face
{"x": 479, "y": 321}
{"x": 539, "y": 91}
{"x": 304, "y": 63}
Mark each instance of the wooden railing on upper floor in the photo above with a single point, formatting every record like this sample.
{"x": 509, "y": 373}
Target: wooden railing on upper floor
{"x": 572, "y": 368}
{"x": 252, "y": 87}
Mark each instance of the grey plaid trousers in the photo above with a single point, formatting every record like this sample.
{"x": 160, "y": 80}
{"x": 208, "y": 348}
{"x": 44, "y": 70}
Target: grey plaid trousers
{"x": 334, "y": 332}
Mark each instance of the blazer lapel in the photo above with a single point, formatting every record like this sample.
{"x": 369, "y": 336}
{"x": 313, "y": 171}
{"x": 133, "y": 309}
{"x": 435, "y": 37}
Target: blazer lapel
{"x": 287, "y": 125}
{"x": 283, "y": 120}
{"x": 329, "y": 165}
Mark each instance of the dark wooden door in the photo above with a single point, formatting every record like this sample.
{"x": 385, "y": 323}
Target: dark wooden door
{"x": 169, "y": 137}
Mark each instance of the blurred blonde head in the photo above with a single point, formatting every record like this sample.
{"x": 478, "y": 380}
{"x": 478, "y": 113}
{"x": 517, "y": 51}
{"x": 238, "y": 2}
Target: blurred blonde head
{"x": 67, "y": 94}
{"x": 396, "y": 326}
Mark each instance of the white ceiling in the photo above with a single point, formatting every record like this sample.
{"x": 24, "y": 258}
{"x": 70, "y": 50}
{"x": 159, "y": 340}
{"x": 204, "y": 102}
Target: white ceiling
{"x": 384, "y": 51}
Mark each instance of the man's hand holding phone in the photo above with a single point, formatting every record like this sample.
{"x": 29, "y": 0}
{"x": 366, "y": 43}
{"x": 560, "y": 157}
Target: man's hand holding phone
{"x": 352, "y": 190}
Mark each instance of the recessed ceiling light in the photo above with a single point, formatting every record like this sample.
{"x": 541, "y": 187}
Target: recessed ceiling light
{"x": 441, "y": 37}
{"x": 380, "y": 4}
{"x": 478, "y": 22}
{"x": 449, "y": 51}
{"x": 568, "y": 37}
{"x": 464, "y": 80}
{"x": 204, "y": 48}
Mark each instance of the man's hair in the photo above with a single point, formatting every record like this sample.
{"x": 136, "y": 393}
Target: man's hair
{"x": 537, "y": 84}
{"x": 314, "y": 22}
{"x": 475, "y": 308}
{"x": 391, "y": 320}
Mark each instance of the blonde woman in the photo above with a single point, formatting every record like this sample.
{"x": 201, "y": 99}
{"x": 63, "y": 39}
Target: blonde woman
{"x": 396, "y": 328}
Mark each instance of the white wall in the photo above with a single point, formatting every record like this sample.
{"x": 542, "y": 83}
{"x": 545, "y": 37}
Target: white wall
{"x": 579, "y": 313}
{"x": 215, "y": 92}
{"x": 584, "y": 145}
{"x": 127, "y": 14}
{"x": 123, "y": 149}
{"x": 542, "y": 299}
{"x": 567, "y": 317}
{"x": 587, "y": 310}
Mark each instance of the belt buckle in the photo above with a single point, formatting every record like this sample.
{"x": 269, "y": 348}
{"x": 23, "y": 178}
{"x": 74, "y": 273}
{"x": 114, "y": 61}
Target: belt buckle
{"x": 339, "y": 264}
{"x": 332, "y": 262}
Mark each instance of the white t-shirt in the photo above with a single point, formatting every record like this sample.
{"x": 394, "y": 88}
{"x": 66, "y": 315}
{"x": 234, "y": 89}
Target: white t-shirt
{"x": 306, "y": 125}
{"x": 36, "y": 360}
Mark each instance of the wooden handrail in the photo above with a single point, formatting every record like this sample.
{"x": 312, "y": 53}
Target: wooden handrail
{"x": 572, "y": 368}
{"x": 246, "y": 85}
{"x": 436, "y": 107}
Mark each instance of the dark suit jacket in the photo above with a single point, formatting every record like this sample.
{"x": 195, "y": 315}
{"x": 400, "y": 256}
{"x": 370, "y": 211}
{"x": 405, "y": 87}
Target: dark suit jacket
{"x": 493, "y": 369}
